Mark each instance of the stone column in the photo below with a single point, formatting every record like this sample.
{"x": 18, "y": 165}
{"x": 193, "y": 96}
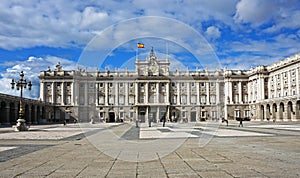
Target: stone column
{"x": 147, "y": 115}
{"x": 86, "y": 99}
{"x": 76, "y": 92}
{"x": 217, "y": 92}
{"x": 116, "y": 84}
{"x": 53, "y": 92}
{"x": 198, "y": 93}
{"x": 63, "y": 93}
{"x": 42, "y": 91}
{"x": 147, "y": 92}
{"x": 230, "y": 92}
{"x": 136, "y": 89}
{"x": 188, "y": 92}
{"x": 178, "y": 93}
{"x": 285, "y": 113}
{"x": 289, "y": 82}
{"x": 297, "y": 81}
{"x": 126, "y": 93}
{"x": 240, "y": 92}
{"x": 167, "y": 93}
{"x": 277, "y": 114}
{"x": 275, "y": 86}
{"x": 157, "y": 114}
{"x": 157, "y": 93}
{"x": 106, "y": 93}
{"x": 72, "y": 93}
{"x": 254, "y": 96}
{"x": 207, "y": 93}
{"x": 281, "y": 85}
{"x": 97, "y": 93}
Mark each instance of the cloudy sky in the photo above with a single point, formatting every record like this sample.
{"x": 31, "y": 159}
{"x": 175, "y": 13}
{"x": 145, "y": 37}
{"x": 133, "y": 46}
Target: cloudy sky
{"x": 238, "y": 34}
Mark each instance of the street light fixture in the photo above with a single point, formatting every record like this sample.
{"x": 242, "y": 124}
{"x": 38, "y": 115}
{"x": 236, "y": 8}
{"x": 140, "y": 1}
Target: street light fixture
{"x": 21, "y": 84}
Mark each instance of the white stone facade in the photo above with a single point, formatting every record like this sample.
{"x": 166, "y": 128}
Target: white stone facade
{"x": 153, "y": 91}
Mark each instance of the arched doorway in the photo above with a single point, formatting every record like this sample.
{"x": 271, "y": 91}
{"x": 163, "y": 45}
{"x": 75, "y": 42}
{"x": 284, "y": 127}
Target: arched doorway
{"x": 281, "y": 110}
{"x": 13, "y": 116}
{"x": 274, "y": 111}
{"x": 297, "y": 112}
{"x": 32, "y": 113}
{"x": 26, "y": 115}
{"x": 290, "y": 110}
{"x": 38, "y": 115}
{"x": 44, "y": 113}
{"x": 3, "y": 112}
{"x": 262, "y": 112}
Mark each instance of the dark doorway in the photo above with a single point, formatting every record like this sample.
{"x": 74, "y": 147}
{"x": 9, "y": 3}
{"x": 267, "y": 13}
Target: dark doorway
{"x": 111, "y": 117}
{"x": 193, "y": 116}
{"x": 142, "y": 116}
{"x": 153, "y": 115}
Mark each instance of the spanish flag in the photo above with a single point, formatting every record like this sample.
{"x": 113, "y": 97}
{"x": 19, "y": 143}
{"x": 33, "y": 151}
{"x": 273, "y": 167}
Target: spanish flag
{"x": 140, "y": 45}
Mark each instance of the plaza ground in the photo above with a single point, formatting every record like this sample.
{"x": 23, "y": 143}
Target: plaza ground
{"x": 206, "y": 149}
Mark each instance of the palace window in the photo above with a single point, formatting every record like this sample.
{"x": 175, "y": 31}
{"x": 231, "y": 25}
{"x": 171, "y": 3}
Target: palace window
{"x": 174, "y": 99}
{"x": 121, "y": 85}
{"x": 203, "y": 114}
{"x": 246, "y": 113}
{"x": 121, "y": 99}
{"x": 203, "y": 99}
{"x": 91, "y": 99}
{"x": 101, "y": 99}
{"x": 183, "y": 99}
{"x": 193, "y": 99}
{"x": 101, "y": 85}
{"x": 237, "y": 113}
{"x": 111, "y": 99}
{"x": 213, "y": 114}
{"x": 183, "y": 114}
{"x": 131, "y": 99}
{"x": 213, "y": 99}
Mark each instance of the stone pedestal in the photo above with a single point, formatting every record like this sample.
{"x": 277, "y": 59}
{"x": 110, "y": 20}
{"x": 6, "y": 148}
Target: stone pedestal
{"x": 21, "y": 125}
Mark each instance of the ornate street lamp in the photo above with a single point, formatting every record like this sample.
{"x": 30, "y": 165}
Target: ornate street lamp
{"x": 21, "y": 84}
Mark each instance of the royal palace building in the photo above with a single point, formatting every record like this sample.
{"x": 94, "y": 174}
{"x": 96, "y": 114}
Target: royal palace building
{"x": 152, "y": 91}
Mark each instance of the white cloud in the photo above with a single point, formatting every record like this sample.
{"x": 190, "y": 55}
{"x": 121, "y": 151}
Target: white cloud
{"x": 31, "y": 69}
{"x": 282, "y": 14}
{"x": 213, "y": 32}
{"x": 57, "y": 23}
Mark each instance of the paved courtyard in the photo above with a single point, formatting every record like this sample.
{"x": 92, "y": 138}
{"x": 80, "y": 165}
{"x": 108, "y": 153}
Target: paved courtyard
{"x": 206, "y": 149}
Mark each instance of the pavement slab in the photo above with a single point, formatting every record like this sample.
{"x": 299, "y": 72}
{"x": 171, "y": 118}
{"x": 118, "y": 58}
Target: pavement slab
{"x": 259, "y": 149}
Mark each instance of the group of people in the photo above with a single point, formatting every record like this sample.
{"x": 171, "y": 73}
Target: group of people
{"x": 163, "y": 120}
{"x": 240, "y": 124}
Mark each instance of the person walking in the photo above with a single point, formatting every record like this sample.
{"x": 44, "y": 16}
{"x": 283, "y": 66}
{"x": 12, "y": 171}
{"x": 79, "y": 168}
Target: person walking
{"x": 241, "y": 122}
{"x": 164, "y": 120}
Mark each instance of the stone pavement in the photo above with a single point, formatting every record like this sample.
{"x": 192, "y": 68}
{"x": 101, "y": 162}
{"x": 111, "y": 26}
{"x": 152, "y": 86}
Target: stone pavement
{"x": 259, "y": 149}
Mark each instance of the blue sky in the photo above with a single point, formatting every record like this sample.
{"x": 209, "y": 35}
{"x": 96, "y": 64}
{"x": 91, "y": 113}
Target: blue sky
{"x": 238, "y": 34}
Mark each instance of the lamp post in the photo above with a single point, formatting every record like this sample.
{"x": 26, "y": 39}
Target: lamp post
{"x": 21, "y": 84}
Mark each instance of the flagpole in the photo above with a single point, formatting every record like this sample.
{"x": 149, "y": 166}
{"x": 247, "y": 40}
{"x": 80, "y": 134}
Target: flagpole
{"x": 136, "y": 54}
